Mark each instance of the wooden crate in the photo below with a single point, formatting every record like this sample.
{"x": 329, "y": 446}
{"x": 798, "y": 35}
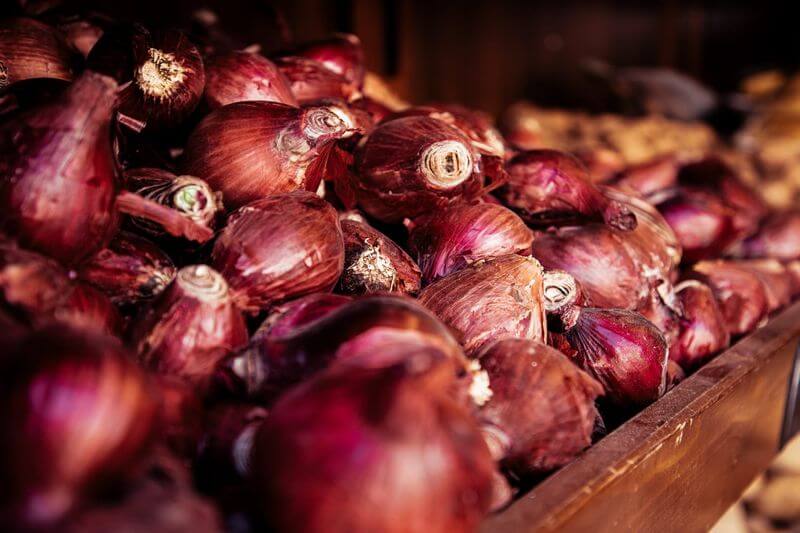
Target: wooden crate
{"x": 680, "y": 463}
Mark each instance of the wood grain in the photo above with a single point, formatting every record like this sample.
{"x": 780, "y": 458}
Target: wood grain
{"x": 680, "y": 463}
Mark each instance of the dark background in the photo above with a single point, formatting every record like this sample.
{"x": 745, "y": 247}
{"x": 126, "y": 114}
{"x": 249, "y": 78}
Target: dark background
{"x": 489, "y": 53}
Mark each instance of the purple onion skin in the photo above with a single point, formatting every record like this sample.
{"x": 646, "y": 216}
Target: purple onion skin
{"x": 417, "y": 456}
{"x": 272, "y": 362}
{"x": 778, "y": 238}
{"x": 64, "y": 211}
{"x": 703, "y": 332}
{"x": 595, "y": 255}
{"x": 374, "y": 263}
{"x": 129, "y": 270}
{"x": 181, "y": 414}
{"x": 548, "y": 187}
{"x": 79, "y": 415}
{"x": 30, "y": 49}
{"x": 401, "y": 170}
{"x": 341, "y": 53}
{"x": 450, "y": 239}
{"x": 624, "y": 352}
{"x": 190, "y": 327}
{"x": 541, "y": 402}
{"x": 284, "y": 319}
{"x": 777, "y": 280}
{"x": 88, "y": 309}
{"x": 648, "y": 178}
{"x": 491, "y": 300}
{"x": 245, "y": 77}
{"x": 740, "y": 293}
{"x": 311, "y": 80}
{"x": 279, "y": 248}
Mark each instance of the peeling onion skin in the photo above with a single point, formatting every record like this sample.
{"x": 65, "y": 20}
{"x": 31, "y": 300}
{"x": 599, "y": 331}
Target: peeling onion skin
{"x": 129, "y": 270}
{"x": 250, "y": 150}
{"x": 79, "y": 416}
{"x": 491, "y": 300}
{"x": 381, "y": 435}
{"x": 280, "y": 248}
{"x": 311, "y": 80}
{"x": 740, "y": 293}
{"x": 64, "y": 211}
{"x": 374, "y": 263}
{"x": 703, "y": 331}
{"x": 341, "y": 53}
{"x": 452, "y": 238}
{"x": 190, "y": 327}
{"x": 778, "y": 238}
{"x": 541, "y": 403}
{"x": 30, "y": 49}
{"x": 410, "y": 166}
{"x": 245, "y": 77}
{"x": 597, "y": 258}
{"x": 548, "y": 187}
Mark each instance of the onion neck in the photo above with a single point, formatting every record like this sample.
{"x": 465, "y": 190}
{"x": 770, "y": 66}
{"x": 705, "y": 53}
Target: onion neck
{"x": 203, "y": 283}
{"x": 171, "y": 220}
{"x": 194, "y": 199}
{"x": 160, "y": 75}
{"x": 446, "y": 164}
{"x": 561, "y": 295}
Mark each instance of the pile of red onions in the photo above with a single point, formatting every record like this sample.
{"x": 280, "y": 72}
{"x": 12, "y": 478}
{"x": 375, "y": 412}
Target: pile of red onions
{"x": 262, "y": 290}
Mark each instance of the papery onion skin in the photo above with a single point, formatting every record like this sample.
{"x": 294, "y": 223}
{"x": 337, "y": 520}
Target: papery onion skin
{"x": 30, "y": 49}
{"x": 740, "y": 293}
{"x": 417, "y": 457}
{"x": 311, "y": 80}
{"x": 703, "y": 331}
{"x": 777, "y": 280}
{"x": 284, "y": 319}
{"x": 64, "y": 211}
{"x": 341, "y": 53}
{"x": 549, "y": 187}
{"x": 190, "y": 327}
{"x": 452, "y": 238}
{"x": 650, "y": 177}
{"x": 375, "y": 109}
{"x": 181, "y": 415}
{"x": 279, "y": 248}
{"x": 413, "y": 165}
{"x": 274, "y": 360}
{"x": 129, "y": 270}
{"x": 491, "y": 300}
{"x": 778, "y": 238}
{"x": 597, "y": 258}
{"x": 79, "y": 415}
{"x": 541, "y": 402}
{"x": 250, "y": 150}
{"x": 374, "y": 263}
{"x": 88, "y": 309}
{"x": 242, "y": 77}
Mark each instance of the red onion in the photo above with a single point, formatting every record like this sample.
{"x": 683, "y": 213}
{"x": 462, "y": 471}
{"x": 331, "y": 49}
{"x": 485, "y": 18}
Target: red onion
{"x": 663, "y": 308}
{"x": 541, "y": 413}
{"x": 190, "y": 327}
{"x": 548, "y": 187}
{"x": 243, "y": 76}
{"x": 181, "y": 416}
{"x": 777, "y": 238}
{"x": 490, "y": 300}
{"x": 703, "y": 330}
{"x": 286, "y": 318}
{"x": 129, "y": 270}
{"x": 778, "y": 282}
{"x": 740, "y": 293}
{"x": 30, "y": 49}
{"x": 249, "y": 150}
{"x": 374, "y": 263}
{"x": 598, "y": 259}
{"x": 275, "y": 360}
{"x": 311, "y": 80}
{"x": 280, "y": 248}
{"x": 417, "y": 456}
{"x": 410, "y": 166}
{"x": 341, "y": 53}
{"x": 78, "y": 415}
{"x": 450, "y": 239}
{"x": 650, "y": 177}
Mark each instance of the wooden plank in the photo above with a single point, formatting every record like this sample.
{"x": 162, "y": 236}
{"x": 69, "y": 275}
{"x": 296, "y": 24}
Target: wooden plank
{"x": 680, "y": 463}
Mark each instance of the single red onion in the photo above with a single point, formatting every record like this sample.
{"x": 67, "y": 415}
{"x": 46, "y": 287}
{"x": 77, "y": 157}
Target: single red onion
{"x": 452, "y": 238}
{"x": 245, "y": 77}
{"x": 190, "y": 327}
{"x": 340, "y": 53}
{"x": 491, "y": 300}
{"x": 284, "y": 353}
{"x": 548, "y": 187}
{"x": 280, "y": 248}
{"x": 541, "y": 413}
{"x": 129, "y": 270}
{"x": 374, "y": 263}
{"x": 285, "y": 318}
{"x": 311, "y": 80}
{"x": 250, "y": 150}
{"x": 30, "y": 49}
{"x": 418, "y": 457}
{"x": 740, "y": 293}
{"x": 778, "y": 238}
{"x": 596, "y": 256}
{"x": 703, "y": 331}
{"x": 649, "y": 177}
{"x": 78, "y": 415}
{"x": 663, "y": 308}
{"x": 778, "y": 282}
{"x": 410, "y": 166}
